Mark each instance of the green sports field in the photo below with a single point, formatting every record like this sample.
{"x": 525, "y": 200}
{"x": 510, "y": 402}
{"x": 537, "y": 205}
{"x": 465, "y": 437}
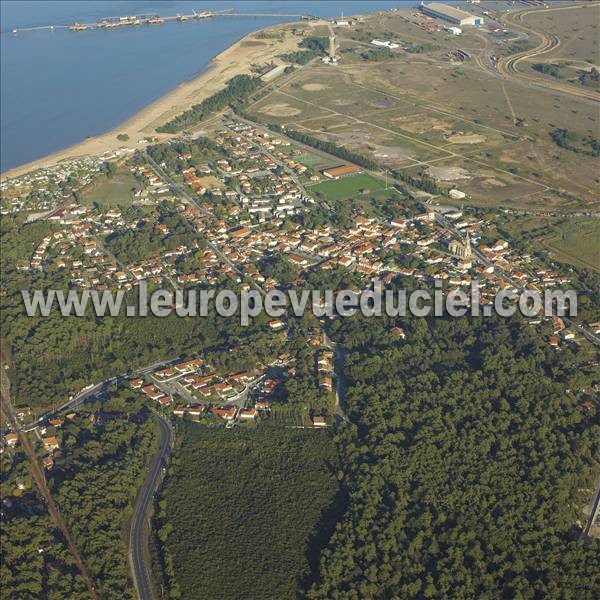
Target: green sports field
{"x": 349, "y": 187}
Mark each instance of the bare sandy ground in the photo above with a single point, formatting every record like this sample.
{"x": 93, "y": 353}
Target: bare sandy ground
{"x": 255, "y": 48}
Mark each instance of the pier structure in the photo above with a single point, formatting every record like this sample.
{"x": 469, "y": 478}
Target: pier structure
{"x": 155, "y": 19}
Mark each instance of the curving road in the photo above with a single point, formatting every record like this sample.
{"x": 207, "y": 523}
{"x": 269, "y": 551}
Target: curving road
{"x": 548, "y": 41}
{"x": 138, "y": 537}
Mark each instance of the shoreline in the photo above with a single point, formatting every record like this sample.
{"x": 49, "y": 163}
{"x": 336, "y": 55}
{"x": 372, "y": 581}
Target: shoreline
{"x": 234, "y": 60}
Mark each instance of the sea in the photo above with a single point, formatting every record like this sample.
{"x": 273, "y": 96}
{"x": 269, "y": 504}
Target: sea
{"x": 59, "y": 87}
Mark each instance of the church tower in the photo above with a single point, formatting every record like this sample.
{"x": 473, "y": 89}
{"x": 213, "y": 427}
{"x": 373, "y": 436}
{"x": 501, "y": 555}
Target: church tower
{"x": 468, "y": 249}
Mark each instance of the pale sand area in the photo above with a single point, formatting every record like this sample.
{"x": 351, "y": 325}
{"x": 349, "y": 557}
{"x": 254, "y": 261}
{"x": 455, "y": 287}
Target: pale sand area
{"x": 236, "y": 60}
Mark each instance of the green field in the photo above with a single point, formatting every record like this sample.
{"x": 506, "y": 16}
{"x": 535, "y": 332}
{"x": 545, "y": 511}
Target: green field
{"x": 113, "y": 191}
{"x": 245, "y": 512}
{"x": 310, "y": 160}
{"x": 574, "y": 241}
{"x": 349, "y": 187}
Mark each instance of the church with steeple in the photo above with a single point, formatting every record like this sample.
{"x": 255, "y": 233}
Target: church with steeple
{"x": 463, "y": 250}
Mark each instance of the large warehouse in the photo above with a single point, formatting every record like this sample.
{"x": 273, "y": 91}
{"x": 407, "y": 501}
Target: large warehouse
{"x": 450, "y": 13}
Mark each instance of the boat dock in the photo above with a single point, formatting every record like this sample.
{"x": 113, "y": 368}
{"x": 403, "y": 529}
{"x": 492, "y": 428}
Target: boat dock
{"x": 154, "y": 19}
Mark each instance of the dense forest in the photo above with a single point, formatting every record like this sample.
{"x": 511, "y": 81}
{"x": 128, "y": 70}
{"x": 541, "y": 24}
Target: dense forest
{"x": 467, "y": 465}
{"x": 243, "y": 512}
{"x": 35, "y": 559}
{"x": 104, "y": 449}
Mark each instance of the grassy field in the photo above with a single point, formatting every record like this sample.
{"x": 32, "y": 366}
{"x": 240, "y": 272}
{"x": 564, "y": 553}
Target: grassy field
{"x": 114, "y": 191}
{"x": 573, "y": 241}
{"x": 316, "y": 161}
{"x": 231, "y": 493}
{"x": 349, "y": 187}
{"x": 576, "y": 242}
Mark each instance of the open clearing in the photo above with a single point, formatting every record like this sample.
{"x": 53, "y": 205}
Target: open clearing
{"x": 576, "y": 242}
{"x": 573, "y": 241}
{"x": 314, "y": 87}
{"x": 114, "y": 191}
{"x": 448, "y": 173}
{"x": 280, "y": 110}
{"x": 466, "y": 139}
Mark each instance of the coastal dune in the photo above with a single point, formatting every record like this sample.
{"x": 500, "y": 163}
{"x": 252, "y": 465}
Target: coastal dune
{"x": 259, "y": 47}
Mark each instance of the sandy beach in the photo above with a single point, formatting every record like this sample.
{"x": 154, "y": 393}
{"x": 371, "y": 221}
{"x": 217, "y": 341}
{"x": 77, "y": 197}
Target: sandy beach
{"x": 255, "y": 48}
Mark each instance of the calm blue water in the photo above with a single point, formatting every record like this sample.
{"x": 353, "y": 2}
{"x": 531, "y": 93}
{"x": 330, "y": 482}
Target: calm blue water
{"x": 58, "y": 87}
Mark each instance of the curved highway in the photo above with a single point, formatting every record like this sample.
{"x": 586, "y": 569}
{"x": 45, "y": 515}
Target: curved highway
{"x": 137, "y": 537}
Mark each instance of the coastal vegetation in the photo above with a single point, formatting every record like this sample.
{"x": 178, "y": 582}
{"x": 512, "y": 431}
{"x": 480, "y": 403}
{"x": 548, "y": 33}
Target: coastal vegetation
{"x": 300, "y": 57}
{"x": 548, "y": 69}
{"x": 590, "y": 78}
{"x": 235, "y": 92}
{"x": 376, "y": 54}
{"x": 253, "y": 507}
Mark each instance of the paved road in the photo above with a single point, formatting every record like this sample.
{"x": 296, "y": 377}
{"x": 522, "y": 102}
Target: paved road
{"x": 340, "y": 378}
{"x": 594, "y": 512}
{"x": 98, "y": 389}
{"x": 138, "y": 534}
{"x": 180, "y": 191}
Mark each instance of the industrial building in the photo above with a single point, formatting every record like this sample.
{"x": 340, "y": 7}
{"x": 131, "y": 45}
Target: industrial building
{"x": 450, "y": 13}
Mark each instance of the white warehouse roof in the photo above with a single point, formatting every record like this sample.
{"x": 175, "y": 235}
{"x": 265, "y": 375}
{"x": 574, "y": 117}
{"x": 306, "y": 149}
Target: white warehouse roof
{"x": 451, "y": 13}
